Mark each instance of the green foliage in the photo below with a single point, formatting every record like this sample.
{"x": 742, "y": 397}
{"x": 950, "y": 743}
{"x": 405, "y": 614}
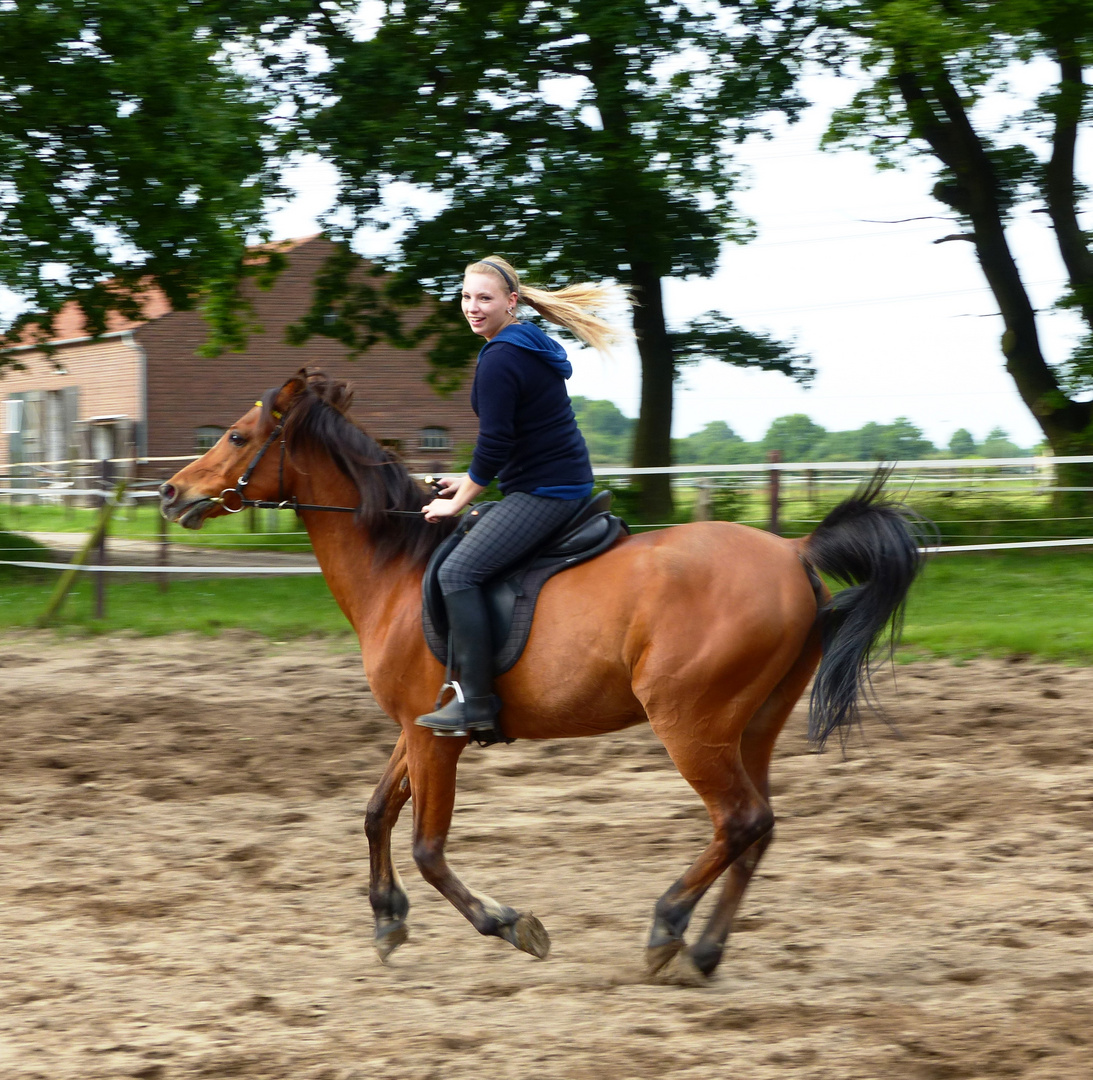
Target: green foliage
{"x": 629, "y": 179}
{"x": 130, "y": 150}
{"x": 1077, "y": 372}
{"x": 285, "y": 607}
{"x": 794, "y": 437}
{"x": 962, "y": 606}
{"x": 252, "y": 530}
{"x": 998, "y": 445}
{"x": 932, "y": 67}
{"x": 451, "y": 97}
{"x": 726, "y": 499}
{"x": 1011, "y": 604}
{"x": 16, "y": 548}
{"x": 798, "y": 438}
{"x": 962, "y": 444}
{"x": 715, "y": 444}
{"x": 971, "y": 516}
{"x": 608, "y": 433}
{"x": 625, "y": 499}
{"x": 898, "y": 441}
{"x": 715, "y": 336}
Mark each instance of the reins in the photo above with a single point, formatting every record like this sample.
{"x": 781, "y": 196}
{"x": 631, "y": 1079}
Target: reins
{"x": 233, "y": 499}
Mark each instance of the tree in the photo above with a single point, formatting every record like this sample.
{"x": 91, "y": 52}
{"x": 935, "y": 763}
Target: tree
{"x": 962, "y": 444}
{"x": 630, "y": 179}
{"x": 903, "y": 441}
{"x": 607, "y": 430}
{"x": 715, "y": 444}
{"x": 132, "y": 151}
{"x": 997, "y": 444}
{"x": 794, "y": 437}
{"x": 932, "y": 63}
{"x": 839, "y": 446}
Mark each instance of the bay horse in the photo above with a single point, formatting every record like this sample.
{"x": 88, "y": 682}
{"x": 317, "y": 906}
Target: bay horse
{"x": 709, "y": 631}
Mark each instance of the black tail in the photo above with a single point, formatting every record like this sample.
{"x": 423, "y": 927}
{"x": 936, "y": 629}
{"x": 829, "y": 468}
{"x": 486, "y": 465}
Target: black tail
{"x": 871, "y": 544}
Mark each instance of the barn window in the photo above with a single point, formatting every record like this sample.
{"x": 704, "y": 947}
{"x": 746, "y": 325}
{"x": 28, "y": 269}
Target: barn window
{"x": 205, "y": 438}
{"x": 435, "y": 438}
{"x": 13, "y": 416}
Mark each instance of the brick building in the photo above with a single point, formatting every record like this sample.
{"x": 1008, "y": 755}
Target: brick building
{"x": 141, "y": 390}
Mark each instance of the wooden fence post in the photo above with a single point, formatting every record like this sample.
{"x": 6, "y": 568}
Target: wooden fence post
{"x": 702, "y": 501}
{"x": 100, "y": 553}
{"x": 68, "y": 578}
{"x": 163, "y": 557}
{"x": 775, "y": 493}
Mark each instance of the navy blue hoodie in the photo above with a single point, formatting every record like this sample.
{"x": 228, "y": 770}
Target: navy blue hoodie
{"x": 527, "y": 434}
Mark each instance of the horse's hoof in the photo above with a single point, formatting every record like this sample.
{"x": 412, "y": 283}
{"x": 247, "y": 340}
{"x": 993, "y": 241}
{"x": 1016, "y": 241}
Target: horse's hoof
{"x": 389, "y": 938}
{"x": 681, "y": 970}
{"x": 529, "y": 935}
{"x": 658, "y": 956}
{"x": 705, "y": 956}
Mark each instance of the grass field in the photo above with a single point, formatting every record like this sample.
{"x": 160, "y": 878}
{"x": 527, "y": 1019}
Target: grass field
{"x": 279, "y": 607}
{"x": 269, "y": 530}
{"x": 1010, "y": 511}
{"x": 1021, "y": 603}
{"x": 969, "y": 515}
{"x": 1035, "y": 603}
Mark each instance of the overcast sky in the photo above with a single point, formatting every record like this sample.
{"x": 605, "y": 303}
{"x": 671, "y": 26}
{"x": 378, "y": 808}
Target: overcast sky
{"x": 896, "y": 324}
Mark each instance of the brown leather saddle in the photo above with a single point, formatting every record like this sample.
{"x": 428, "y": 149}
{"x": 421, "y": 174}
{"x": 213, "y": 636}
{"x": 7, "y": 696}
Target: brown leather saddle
{"x": 511, "y": 596}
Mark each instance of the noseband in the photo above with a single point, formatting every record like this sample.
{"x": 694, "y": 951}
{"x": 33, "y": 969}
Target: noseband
{"x": 234, "y": 499}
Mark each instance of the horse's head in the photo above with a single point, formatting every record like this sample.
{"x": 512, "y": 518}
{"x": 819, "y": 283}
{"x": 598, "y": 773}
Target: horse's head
{"x": 214, "y": 484}
{"x": 299, "y": 442}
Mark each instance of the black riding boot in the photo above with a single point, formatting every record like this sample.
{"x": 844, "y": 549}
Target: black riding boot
{"x": 473, "y": 653}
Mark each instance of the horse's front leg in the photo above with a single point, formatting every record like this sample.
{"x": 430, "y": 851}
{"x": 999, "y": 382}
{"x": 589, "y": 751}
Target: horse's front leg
{"x": 432, "y": 764}
{"x": 390, "y": 903}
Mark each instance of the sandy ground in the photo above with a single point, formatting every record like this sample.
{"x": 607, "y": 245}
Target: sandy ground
{"x": 184, "y": 866}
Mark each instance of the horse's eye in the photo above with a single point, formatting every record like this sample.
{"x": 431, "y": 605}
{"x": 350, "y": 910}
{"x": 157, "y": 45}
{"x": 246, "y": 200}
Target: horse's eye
{"x": 236, "y": 439}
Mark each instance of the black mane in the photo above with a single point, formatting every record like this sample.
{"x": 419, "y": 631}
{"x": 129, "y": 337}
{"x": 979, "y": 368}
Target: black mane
{"x": 316, "y": 420}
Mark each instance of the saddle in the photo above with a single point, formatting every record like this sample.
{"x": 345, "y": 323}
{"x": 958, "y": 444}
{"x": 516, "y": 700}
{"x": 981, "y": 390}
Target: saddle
{"x": 511, "y": 596}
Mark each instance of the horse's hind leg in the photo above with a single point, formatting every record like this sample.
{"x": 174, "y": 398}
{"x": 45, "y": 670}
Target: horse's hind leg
{"x": 390, "y": 903}
{"x": 756, "y": 748}
{"x": 432, "y": 772}
{"x": 741, "y": 818}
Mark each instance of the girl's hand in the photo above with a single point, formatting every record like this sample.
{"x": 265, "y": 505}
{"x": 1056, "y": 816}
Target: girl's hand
{"x": 441, "y": 507}
{"x": 447, "y": 486}
{"x": 454, "y": 495}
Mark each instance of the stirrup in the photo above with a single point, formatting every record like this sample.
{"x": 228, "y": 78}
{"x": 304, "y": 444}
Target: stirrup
{"x": 453, "y": 720}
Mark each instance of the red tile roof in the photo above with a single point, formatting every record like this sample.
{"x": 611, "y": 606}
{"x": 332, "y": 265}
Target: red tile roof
{"x": 69, "y": 323}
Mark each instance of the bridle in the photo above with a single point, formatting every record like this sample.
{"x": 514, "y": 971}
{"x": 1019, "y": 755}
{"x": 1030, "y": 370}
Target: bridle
{"x": 234, "y": 499}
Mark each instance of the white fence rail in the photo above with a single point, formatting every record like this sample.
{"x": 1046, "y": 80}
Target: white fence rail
{"x": 84, "y": 480}
{"x": 287, "y": 571}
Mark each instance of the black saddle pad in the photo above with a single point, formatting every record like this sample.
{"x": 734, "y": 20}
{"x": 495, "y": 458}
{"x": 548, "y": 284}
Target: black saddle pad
{"x": 511, "y": 597}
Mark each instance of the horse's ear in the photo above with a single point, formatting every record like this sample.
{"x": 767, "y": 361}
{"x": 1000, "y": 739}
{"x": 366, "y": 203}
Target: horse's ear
{"x": 289, "y": 392}
{"x": 342, "y": 398}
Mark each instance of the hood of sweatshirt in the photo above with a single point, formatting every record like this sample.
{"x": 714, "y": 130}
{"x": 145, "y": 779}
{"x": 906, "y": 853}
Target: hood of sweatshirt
{"x": 529, "y": 336}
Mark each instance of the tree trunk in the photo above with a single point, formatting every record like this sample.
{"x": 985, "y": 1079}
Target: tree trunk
{"x": 1067, "y": 424}
{"x": 1059, "y": 185}
{"x": 653, "y": 434}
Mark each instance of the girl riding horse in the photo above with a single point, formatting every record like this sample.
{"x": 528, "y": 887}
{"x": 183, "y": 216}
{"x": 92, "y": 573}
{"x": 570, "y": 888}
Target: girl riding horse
{"x": 528, "y": 439}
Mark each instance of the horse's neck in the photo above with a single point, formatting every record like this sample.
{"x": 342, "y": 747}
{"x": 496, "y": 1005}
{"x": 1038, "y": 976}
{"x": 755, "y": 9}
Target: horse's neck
{"x": 367, "y": 595}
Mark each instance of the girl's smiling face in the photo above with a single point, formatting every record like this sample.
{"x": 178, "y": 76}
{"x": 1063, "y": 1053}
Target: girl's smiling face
{"x": 485, "y": 304}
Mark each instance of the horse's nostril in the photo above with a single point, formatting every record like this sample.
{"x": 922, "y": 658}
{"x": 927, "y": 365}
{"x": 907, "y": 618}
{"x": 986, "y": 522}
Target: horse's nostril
{"x": 167, "y": 492}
